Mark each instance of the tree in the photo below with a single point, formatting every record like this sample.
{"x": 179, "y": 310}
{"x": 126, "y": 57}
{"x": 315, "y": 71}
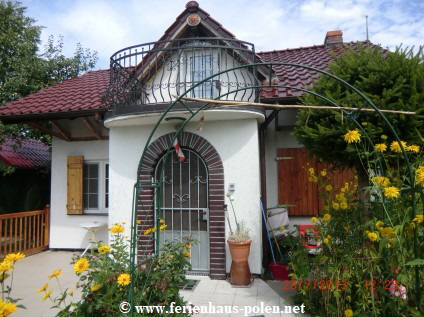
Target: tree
{"x": 391, "y": 80}
{"x": 24, "y": 70}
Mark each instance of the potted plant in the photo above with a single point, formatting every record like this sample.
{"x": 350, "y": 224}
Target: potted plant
{"x": 239, "y": 242}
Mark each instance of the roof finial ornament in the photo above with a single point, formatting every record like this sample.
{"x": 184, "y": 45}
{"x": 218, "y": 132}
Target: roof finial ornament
{"x": 192, "y": 6}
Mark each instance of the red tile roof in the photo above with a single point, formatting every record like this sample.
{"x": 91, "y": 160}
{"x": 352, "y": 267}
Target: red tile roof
{"x": 315, "y": 56}
{"x": 84, "y": 93}
{"x": 77, "y": 94}
{"x": 27, "y": 154}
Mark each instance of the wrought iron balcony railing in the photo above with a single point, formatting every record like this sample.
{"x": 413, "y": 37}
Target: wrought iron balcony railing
{"x": 145, "y": 75}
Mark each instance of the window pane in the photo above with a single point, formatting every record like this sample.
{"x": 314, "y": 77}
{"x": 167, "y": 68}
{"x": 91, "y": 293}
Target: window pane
{"x": 201, "y": 68}
{"x": 93, "y": 201}
{"x": 91, "y": 185}
{"x": 94, "y": 170}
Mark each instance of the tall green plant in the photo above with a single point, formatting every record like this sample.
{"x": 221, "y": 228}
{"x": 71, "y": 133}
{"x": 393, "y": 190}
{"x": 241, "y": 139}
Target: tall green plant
{"x": 391, "y": 80}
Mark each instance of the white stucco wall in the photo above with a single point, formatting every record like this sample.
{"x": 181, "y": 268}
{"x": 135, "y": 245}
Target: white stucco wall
{"x": 65, "y": 230}
{"x": 237, "y": 144}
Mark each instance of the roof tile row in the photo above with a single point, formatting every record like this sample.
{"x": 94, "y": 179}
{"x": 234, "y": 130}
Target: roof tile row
{"x": 81, "y": 93}
{"x": 27, "y": 154}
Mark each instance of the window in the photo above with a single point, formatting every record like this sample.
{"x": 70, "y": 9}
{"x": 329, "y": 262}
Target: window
{"x": 201, "y": 68}
{"x": 95, "y": 187}
{"x": 199, "y": 60}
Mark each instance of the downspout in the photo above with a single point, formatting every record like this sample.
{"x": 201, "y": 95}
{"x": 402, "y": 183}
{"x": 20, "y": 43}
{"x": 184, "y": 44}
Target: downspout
{"x": 262, "y": 163}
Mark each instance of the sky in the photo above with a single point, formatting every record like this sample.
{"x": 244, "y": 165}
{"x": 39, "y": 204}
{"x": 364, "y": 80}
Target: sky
{"x": 107, "y": 26}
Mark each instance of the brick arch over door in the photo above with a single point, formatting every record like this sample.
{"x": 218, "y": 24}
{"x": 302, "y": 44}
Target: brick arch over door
{"x": 145, "y": 212}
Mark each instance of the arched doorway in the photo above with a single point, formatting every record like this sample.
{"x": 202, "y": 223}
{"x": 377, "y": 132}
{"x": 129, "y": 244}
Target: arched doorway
{"x": 215, "y": 196}
{"x": 185, "y": 204}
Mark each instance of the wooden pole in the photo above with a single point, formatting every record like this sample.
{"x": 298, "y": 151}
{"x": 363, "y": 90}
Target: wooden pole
{"x": 253, "y": 104}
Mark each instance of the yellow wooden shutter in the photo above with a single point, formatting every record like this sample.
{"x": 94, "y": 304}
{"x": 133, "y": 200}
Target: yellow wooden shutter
{"x": 75, "y": 168}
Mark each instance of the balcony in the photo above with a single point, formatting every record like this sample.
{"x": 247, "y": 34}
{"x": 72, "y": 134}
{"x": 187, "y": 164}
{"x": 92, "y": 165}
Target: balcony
{"x": 146, "y": 78}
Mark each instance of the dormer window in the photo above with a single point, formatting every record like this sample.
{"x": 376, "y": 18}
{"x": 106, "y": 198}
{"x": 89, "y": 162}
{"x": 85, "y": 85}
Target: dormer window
{"x": 199, "y": 62}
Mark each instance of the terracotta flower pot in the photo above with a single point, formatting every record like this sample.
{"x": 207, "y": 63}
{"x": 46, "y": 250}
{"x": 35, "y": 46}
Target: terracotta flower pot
{"x": 240, "y": 272}
{"x": 239, "y": 250}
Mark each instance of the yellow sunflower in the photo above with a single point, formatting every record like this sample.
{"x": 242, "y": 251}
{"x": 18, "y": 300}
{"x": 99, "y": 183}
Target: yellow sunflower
{"x": 124, "y": 279}
{"x": 104, "y": 249}
{"x": 352, "y": 136}
{"x": 344, "y": 205}
{"x": 47, "y": 294}
{"x": 6, "y": 266}
{"x": 348, "y": 313}
{"x": 327, "y": 217}
{"x": 44, "y": 288}
{"x": 372, "y": 236}
{"x": 395, "y": 146}
{"x": 81, "y": 266}
{"x": 56, "y": 274}
{"x": 380, "y": 148}
{"x": 380, "y": 181}
{"x": 413, "y": 148}
{"x": 95, "y": 288}
{"x": 391, "y": 192}
{"x": 379, "y": 225}
{"x": 387, "y": 232}
{"x": 419, "y": 176}
{"x": 117, "y": 229}
{"x": 7, "y": 308}
{"x": 418, "y": 219}
{"x": 14, "y": 257}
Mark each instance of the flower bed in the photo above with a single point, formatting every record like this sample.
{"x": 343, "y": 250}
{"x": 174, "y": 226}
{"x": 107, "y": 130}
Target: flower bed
{"x": 368, "y": 260}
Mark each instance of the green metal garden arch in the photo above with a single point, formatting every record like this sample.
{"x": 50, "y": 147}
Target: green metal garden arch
{"x": 157, "y": 186}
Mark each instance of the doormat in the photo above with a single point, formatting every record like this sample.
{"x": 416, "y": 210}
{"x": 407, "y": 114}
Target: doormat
{"x": 189, "y": 285}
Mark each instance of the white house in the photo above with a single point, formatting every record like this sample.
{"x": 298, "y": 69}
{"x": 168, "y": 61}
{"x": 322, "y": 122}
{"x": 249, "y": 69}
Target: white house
{"x": 101, "y": 122}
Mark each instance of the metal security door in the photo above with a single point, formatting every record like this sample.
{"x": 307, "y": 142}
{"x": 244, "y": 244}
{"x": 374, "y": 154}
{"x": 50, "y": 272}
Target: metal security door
{"x": 185, "y": 204}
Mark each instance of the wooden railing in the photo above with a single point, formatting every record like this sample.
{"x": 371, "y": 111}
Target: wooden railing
{"x": 26, "y": 232}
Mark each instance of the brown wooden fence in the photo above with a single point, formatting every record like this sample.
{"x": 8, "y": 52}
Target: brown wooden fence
{"x": 26, "y": 232}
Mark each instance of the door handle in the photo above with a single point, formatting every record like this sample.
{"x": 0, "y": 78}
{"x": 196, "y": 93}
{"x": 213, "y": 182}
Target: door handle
{"x": 205, "y": 214}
